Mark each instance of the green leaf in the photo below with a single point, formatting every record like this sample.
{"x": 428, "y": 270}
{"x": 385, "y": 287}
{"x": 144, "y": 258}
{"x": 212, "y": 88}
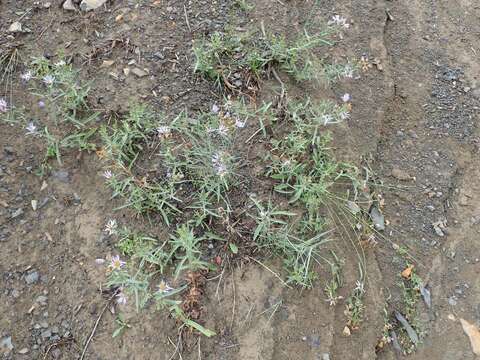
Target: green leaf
{"x": 181, "y": 315}
{"x": 233, "y": 248}
{"x": 117, "y": 332}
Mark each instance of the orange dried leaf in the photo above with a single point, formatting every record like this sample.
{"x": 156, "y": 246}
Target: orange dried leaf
{"x": 407, "y": 272}
{"x": 474, "y": 335}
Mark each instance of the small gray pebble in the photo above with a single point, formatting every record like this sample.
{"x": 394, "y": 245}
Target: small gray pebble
{"x": 32, "y": 278}
{"x": 62, "y": 176}
{"x": 44, "y": 324}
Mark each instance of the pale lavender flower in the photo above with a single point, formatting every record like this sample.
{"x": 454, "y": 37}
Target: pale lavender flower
{"x": 3, "y": 105}
{"x": 218, "y": 164}
{"x": 26, "y": 77}
{"x": 121, "y": 297}
{"x": 163, "y": 287}
{"x": 41, "y": 104}
{"x": 116, "y": 263}
{"x": 48, "y": 80}
{"x": 240, "y": 123}
{"x": 111, "y": 227}
{"x": 339, "y": 21}
{"x": 215, "y": 109}
{"x": 107, "y": 174}
{"x": 31, "y": 128}
{"x": 346, "y": 97}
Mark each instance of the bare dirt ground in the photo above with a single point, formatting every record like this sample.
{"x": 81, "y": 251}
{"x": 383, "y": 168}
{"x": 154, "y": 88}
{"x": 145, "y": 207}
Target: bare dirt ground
{"x": 414, "y": 123}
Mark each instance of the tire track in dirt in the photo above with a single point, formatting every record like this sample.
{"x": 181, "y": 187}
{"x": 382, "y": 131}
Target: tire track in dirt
{"x": 370, "y": 23}
{"x": 454, "y": 272}
{"x": 427, "y": 135}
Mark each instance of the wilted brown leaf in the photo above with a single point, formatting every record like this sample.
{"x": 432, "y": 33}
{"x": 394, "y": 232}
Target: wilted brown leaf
{"x": 407, "y": 272}
{"x": 474, "y": 335}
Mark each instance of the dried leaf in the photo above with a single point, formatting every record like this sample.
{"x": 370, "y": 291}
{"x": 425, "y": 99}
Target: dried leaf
{"x": 427, "y": 298}
{"x": 377, "y": 218}
{"x": 412, "y": 334}
{"x": 474, "y": 335}
{"x": 407, "y": 272}
{"x": 107, "y": 63}
{"x": 101, "y": 153}
{"x": 395, "y": 343}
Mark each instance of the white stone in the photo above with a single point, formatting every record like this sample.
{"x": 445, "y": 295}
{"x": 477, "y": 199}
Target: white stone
{"x": 15, "y": 27}
{"x": 68, "y": 5}
{"x": 87, "y": 5}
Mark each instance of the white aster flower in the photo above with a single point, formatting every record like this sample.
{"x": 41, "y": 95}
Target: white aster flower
{"x": 48, "y": 80}
{"x": 107, "y": 174}
{"x": 222, "y": 129}
{"x": 339, "y": 21}
{"x": 240, "y": 123}
{"x": 360, "y": 286}
{"x": 163, "y": 287}
{"x": 26, "y": 77}
{"x": 3, "y": 105}
{"x": 163, "y": 131}
{"x": 348, "y": 72}
{"x": 111, "y": 227}
{"x": 327, "y": 119}
{"x": 31, "y": 128}
{"x": 344, "y": 115}
{"x": 219, "y": 165}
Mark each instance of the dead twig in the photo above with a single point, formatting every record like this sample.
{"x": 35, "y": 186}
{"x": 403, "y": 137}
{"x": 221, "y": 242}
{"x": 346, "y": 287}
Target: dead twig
{"x": 218, "y": 285}
{"x": 45, "y": 29}
{"x": 253, "y": 135}
{"x": 280, "y": 81}
{"x": 271, "y": 271}
{"x": 96, "y": 325}
{"x": 25, "y": 14}
{"x": 199, "y": 350}
{"x": 177, "y": 346}
{"x": 186, "y": 18}
{"x": 234, "y": 302}
{"x": 55, "y": 344}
